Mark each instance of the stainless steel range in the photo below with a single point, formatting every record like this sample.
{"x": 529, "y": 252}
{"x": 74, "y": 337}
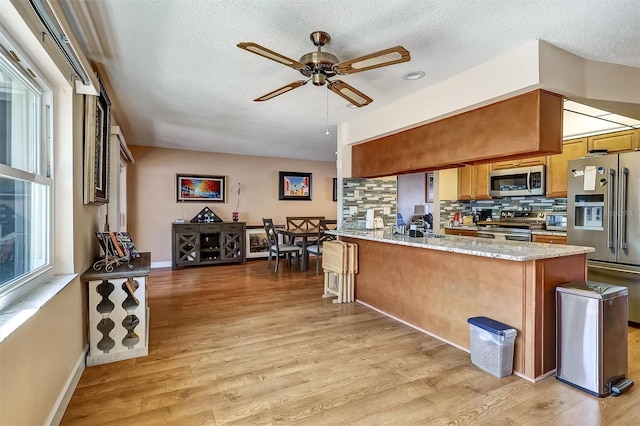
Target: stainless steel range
{"x": 513, "y": 225}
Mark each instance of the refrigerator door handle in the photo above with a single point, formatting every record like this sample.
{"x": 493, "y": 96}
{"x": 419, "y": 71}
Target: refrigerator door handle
{"x": 610, "y": 200}
{"x": 624, "y": 178}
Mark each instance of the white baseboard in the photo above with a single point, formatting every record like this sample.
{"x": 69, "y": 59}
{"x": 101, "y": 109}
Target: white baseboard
{"x": 166, "y": 264}
{"x": 55, "y": 417}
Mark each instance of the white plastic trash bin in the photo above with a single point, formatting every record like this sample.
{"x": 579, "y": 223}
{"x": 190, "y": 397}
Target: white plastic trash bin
{"x": 491, "y": 344}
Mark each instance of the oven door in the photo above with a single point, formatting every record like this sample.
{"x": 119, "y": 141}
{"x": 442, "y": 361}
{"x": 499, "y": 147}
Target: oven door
{"x": 518, "y": 237}
{"x": 488, "y": 235}
{"x": 505, "y": 236}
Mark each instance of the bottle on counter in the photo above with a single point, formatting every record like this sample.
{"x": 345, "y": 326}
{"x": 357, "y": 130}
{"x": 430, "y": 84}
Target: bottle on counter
{"x": 456, "y": 218}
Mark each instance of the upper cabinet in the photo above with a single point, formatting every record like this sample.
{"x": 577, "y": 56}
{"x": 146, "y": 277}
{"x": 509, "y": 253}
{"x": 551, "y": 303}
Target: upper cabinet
{"x": 521, "y": 162}
{"x": 473, "y": 182}
{"x": 557, "y": 166}
{"x": 626, "y": 140}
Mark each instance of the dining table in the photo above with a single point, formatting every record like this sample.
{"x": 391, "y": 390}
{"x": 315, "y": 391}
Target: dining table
{"x": 304, "y": 235}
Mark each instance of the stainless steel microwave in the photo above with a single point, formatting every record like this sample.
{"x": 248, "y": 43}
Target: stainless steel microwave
{"x": 517, "y": 182}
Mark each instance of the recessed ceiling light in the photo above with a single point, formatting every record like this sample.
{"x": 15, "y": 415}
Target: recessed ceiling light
{"x": 415, "y": 75}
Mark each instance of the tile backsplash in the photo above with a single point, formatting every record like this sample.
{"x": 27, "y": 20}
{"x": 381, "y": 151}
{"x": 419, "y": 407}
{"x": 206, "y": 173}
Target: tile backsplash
{"x": 449, "y": 207}
{"x": 359, "y": 195}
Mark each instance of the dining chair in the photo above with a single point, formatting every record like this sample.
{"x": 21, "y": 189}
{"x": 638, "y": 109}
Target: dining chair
{"x": 275, "y": 248}
{"x": 303, "y": 224}
{"x": 316, "y": 248}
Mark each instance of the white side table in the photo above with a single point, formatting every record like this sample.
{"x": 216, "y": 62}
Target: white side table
{"x": 118, "y": 312}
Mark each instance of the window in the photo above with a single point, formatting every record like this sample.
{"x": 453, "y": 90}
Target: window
{"x": 25, "y": 180}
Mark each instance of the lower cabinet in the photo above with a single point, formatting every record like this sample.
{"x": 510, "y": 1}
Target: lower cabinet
{"x": 208, "y": 243}
{"x": 461, "y": 232}
{"x": 549, "y": 239}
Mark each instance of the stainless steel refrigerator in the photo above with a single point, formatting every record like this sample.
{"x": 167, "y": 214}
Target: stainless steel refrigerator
{"x": 603, "y": 209}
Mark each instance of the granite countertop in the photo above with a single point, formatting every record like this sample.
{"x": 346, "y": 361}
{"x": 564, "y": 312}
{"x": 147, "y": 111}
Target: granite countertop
{"x": 496, "y": 249}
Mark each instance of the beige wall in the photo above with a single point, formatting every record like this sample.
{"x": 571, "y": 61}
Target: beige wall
{"x": 151, "y": 187}
{"x": 39, "y": 361}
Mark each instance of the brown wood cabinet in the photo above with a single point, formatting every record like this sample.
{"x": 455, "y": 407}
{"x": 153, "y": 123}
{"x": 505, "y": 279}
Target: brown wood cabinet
{"x": 461, "y": 232}
{"x": 557, "y": 166}
{"x": 626, "y": 140}
{"x": 521, "y": 162}
{"x": 473, "y": 182}
{"x": 208, "y": 243}
{"x": 549, "y": 239}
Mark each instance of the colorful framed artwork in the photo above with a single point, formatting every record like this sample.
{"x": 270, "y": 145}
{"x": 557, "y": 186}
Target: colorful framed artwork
{"x": 295, "y": 186}
{"x": 200, "y": 188}
{"x": 257, "y": 244}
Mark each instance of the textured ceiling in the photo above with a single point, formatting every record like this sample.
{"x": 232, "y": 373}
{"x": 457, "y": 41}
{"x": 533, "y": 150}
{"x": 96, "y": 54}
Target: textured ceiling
{"x": 178, "y": 80}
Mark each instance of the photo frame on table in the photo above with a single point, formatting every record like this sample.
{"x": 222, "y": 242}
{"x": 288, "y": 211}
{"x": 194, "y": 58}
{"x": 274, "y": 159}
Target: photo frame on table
{"x": 201, "y": 188}
{"x": 428, "y": 185}
{"x": 97, "y": 125}
{"x": 295, "y": 186}
{"x": 256, "y": 244}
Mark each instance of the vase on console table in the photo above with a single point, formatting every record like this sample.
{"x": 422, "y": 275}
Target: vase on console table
{"x": 234, "y": 215}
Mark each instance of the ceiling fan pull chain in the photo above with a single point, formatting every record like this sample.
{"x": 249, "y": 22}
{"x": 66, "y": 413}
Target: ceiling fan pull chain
{"x": 327, "y": 132}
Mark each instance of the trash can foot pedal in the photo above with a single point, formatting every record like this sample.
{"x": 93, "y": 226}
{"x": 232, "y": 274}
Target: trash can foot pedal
{"x": 621, "y": 387}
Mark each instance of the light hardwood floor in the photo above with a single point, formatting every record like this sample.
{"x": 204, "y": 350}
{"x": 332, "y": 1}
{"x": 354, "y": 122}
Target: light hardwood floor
{"x": 240, "y": 345}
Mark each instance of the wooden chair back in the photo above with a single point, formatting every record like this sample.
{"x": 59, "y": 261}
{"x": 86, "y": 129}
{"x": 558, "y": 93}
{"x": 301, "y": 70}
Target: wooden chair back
{"x": 304, "y": 223}
{"x": 269, "y": 229}
{"x": 326, "y": 225}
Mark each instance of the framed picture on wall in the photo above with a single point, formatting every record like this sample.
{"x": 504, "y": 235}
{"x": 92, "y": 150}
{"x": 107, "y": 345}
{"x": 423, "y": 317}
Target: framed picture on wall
{"x": 257, "y": 244}
{"x": 428, "y": 185}
{"x": 335, "y": 189}
{"x": 97, "y": 126}
{"x": 200, "y": 188}
{"x": 295, "y": 186}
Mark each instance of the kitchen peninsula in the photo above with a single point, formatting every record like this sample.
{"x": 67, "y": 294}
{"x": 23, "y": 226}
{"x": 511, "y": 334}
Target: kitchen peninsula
{"x": 435, "y": 284}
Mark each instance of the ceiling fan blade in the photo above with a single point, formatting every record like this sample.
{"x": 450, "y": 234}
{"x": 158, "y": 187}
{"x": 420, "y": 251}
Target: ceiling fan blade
{"x": 280, "y": 91}
{"x": 351, "y": 94}
{"x": 390, "y": 56}
{"x": 270, "y": 54}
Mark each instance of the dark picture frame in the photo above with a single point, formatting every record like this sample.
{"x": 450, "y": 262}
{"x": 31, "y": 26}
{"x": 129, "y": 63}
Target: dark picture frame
{"x": 201, "y": 188}
{"x": 295, "y": 186}
{"x": 335, "y": 189}
{"x": 428, "y": 187}
{"x": 97, "y": 132}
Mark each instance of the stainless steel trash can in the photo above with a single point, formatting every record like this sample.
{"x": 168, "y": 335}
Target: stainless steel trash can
{"x": 591, "y": 333}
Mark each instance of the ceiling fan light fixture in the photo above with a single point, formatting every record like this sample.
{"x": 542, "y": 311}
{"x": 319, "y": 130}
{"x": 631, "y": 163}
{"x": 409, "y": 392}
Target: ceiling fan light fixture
{"x": 414, "y": 75}
{"x": 318, "y": 79}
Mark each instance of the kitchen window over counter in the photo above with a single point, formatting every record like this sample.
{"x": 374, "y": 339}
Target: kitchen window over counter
{"x": 26, "y": 180}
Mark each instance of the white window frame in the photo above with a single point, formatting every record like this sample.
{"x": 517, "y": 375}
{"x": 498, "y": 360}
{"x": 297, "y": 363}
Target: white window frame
{"x": 40, "y": 159}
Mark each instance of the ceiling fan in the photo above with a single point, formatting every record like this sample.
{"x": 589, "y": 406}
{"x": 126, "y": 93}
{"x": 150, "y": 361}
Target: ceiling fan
{"x": 320, "y": 66}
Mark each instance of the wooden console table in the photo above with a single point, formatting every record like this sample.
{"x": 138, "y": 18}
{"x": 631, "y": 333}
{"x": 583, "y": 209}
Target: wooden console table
{"x": 118, "y": 311}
